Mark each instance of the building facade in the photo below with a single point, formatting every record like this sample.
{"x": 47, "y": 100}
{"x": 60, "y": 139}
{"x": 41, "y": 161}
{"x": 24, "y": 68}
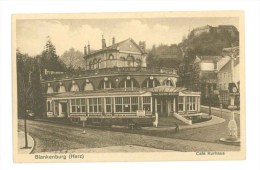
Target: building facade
{"x": 113, "y": 89}
{"x": 125, "y": 54}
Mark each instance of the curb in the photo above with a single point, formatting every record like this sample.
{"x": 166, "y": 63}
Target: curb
{"x": 33, "y": 141}
{"x": 218, "y": 109}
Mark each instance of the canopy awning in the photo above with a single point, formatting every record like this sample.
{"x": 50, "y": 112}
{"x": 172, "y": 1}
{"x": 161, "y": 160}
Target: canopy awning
{"x": 170, "y": 90}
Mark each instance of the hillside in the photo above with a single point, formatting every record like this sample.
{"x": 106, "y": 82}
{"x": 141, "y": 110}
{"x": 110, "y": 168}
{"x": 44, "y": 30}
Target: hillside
{"x": 209, "y": 43}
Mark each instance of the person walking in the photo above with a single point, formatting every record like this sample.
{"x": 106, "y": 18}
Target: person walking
{"x": 177, "y": 129}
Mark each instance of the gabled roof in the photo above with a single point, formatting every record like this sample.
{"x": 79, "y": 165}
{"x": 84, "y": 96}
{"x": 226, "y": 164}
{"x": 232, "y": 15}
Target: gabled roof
{"x": 117, "y": 46}
{"x": 210, "y": 58}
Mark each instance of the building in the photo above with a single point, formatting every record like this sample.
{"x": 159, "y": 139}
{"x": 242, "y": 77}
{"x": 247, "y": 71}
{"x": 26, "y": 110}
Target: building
{"x": 219, "y": 29}
{"x": 117, "y": 84}
{"x": 210, "y": 75}
{"x": 125, "y": 54}
{"x": 199, "y": 74}
{"x": 225, "y": 76}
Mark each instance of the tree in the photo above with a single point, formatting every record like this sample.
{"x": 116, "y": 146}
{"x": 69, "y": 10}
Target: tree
{"x": 29, "y": 91}
{"x": 49, "y": 59}
{"x": 73, "y": 59}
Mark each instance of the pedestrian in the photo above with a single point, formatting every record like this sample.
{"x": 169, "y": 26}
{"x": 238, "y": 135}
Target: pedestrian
{"x": 177, "y": 129}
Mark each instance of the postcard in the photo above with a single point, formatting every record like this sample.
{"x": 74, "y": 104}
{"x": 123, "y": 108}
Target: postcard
{"x": 144, "y": 86}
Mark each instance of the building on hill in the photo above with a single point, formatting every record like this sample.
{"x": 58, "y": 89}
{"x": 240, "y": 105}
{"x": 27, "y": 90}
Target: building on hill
{"x": 208, "y": 29}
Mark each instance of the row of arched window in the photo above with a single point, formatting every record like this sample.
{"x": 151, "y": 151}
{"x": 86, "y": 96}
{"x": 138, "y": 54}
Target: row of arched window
{"x": 109, "y": 84}
{"x": 129, "y": 61}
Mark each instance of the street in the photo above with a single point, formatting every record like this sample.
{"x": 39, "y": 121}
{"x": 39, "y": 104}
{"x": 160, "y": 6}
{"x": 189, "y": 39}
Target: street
{"x": 50, "y": 137}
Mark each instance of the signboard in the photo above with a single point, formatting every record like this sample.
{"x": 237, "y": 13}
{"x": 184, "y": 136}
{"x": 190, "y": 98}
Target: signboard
{"x": 83, "y": 118}
{"x": 164, "y": 93}
{"x": 232, "y": 88}
{"x": 140, "y": 113}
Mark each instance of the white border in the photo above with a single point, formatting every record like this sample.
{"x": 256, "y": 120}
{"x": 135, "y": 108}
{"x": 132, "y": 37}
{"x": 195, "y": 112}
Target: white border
{"x": 252, "y": 28}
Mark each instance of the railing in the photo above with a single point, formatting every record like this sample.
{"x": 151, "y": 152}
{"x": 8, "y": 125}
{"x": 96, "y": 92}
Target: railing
{"x": 107, "y": 71}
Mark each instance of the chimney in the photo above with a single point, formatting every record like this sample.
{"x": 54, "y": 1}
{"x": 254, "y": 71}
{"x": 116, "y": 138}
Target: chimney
{"x": 103, "y": 42}
{"x": 85, "y": 50}
{"x": 142, "y": 45}
{"x": 88, "y": 48}
{"x": 113, "y": 41}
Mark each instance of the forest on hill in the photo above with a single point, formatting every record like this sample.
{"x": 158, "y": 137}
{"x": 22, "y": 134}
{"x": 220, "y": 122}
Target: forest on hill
{"x": 206, "y": 44}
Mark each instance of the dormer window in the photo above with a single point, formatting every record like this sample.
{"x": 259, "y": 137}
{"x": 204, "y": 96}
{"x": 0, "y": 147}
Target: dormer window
{"x": 111, "y": 57}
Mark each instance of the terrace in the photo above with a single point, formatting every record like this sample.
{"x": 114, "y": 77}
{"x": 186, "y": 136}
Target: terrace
{"x": 50, "y": 75}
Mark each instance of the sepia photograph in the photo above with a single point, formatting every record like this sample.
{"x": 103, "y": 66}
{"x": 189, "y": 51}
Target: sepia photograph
{"x": 96, "y": 87}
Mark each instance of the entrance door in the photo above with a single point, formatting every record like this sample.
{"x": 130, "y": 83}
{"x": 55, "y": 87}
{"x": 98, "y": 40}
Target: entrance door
{"x": 171, "y": 106}
{"x": 63, "y": 109}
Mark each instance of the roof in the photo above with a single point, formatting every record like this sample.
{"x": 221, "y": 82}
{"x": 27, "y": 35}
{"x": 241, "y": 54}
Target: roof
{"x": 210, "y": 58}
{"x": 115, "y": 47}
{"x": 171, "y": 89}
{"x": 96, "y": 93}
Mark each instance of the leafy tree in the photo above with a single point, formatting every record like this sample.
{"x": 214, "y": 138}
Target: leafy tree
{"x": 164, "y": 56}
{"x": 73, "y": 59}
{"x": 29, "y": 93}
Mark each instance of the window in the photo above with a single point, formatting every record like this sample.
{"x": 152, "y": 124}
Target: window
{"x": 95, "y": 105}
{"x": 126, "y": 104}
{"x": 147, "y": 103}
{"x": 106, "y": 84}
{"x": 118, "y": 104}
{"x": 49, "y": 108}
{"x": 180, "y": 103}
{"x": 134, "y": 104}
{"x": 111, "y": 57}
{"x": 150, "y": 83}
{"x": 61, "y": 89}
{"x": 108, "y": 105}
{"x": 78, "y": 105}
{"x": 74, "y": 87}
{"x": 168, "y": 83}
{"x": 190, "y": 103}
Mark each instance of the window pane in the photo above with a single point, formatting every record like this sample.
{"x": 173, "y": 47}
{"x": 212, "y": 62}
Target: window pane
{"x": 91, "y": 109}
{"x": 118, "y": 100}
{"x": 78, "y": 108}
{"x": 126, "y": 100}
{"x": 108, "y": 100}
{"x": 95, "y": 101}
{"x": 134, "y": 108}
{"x": 180, "y": 99}
{"x": 108, "y": 108}
{"x": 83, "y": 108}
{"x": 95, "y": 109}
{"x": 126, "y": 108}
{"x": 78, "y": 101}
{"x": 118, "y": 108}
{"x": 147, "y": 107}
{"x": 73, "y": 109}
{"x": 134, "y": 100}
{"x": 83, "y": 102}
{"x": 73, "y": 102}
{"x": 181, "y": 107}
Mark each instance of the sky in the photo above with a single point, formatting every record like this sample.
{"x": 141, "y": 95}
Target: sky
{"x": 31, "y": 34}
